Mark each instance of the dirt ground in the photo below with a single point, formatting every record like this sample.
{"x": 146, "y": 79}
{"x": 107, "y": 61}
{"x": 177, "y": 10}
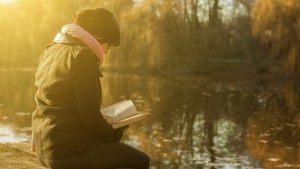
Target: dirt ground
{"x": 18, "y": 156}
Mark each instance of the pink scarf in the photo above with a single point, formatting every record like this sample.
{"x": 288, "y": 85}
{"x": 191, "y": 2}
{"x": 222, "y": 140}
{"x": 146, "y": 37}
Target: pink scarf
{"x": 86, "y": 38}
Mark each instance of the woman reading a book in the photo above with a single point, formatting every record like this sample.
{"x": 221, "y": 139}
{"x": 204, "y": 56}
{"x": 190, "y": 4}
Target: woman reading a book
{"x": 69, "y": 131}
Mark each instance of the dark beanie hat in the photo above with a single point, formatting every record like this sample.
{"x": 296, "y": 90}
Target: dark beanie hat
{"x": 100, "y": 22}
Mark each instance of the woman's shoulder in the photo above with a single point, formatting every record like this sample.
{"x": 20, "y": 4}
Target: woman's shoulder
{"x": 70, "y": 50}
{"x": 70, "y": 43}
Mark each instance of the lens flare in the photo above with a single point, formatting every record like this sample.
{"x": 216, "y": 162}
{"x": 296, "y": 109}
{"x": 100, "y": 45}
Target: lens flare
{"x": 6, "y": 2}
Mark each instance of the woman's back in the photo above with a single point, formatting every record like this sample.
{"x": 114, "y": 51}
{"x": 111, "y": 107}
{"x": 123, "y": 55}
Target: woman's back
{"x": 56, "y": 122}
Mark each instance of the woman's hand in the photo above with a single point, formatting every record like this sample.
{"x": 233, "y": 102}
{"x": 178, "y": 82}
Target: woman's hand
{"x": 118, "y": 133}
{"x": 125, "y": 127}
{"x": 108, "y": 119}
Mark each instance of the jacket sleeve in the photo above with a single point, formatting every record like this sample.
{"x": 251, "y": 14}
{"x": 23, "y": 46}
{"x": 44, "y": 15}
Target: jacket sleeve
{"x": 86, "y": 83}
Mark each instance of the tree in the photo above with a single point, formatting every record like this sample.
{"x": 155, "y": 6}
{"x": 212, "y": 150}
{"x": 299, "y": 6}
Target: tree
{"x": 277, "y": 22}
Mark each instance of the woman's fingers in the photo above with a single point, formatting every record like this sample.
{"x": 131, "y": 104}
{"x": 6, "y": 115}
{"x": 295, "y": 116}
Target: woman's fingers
{"x": 108, "y": 119}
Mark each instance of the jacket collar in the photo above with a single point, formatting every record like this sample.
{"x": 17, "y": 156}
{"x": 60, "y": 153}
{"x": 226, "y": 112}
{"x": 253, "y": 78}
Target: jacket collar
{"x": 68, "y": 39}
{"x": 65, "y": 38}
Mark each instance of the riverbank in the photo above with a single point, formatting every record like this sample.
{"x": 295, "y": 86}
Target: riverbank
{"x": 230, "y": 72}
{"x": 18, "y": 156}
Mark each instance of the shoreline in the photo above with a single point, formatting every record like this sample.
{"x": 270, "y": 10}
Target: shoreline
{"x": 17, "y": 155}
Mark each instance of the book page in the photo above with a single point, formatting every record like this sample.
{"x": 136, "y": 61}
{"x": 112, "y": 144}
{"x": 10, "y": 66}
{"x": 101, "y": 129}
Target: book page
{"x": 110, "y": 110}
{"x": 124, "y": 110}
{"x": 130, "y": 120}
{"x": 120, "y": 110}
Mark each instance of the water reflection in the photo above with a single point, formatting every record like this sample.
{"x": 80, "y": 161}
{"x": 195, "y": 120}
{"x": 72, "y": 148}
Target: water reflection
{"x": 8, "y": 134}
{"x": 16, "y": 101}
{"x": 195, "y": 123}
{"x": 273, "y": 134}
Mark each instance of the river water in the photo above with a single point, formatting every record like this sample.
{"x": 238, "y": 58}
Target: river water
{"x": 196, "y": 122}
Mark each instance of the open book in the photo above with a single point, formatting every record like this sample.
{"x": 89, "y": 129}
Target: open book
{"x": 123, "y": 113}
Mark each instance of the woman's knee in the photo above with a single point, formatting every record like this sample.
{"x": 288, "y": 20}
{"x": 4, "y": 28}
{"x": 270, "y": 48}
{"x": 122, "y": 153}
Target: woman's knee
{"x": 147, "y": 161}
{"x": 144, "y": 160}
{"x": 135, "y": 157}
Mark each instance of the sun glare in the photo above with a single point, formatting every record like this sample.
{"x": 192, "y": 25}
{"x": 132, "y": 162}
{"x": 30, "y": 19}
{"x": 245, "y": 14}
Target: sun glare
{"x": 6, "y": 2}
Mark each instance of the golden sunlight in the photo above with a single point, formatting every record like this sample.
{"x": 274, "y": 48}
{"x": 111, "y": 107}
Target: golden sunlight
{"x": 6, "y": 2}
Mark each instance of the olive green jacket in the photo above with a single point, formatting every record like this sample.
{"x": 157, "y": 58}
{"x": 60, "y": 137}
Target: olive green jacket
{"x": 67, "y": 120}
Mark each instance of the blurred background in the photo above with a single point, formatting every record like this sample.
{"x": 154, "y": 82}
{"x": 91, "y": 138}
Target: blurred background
{"x": 220, "y": 77}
